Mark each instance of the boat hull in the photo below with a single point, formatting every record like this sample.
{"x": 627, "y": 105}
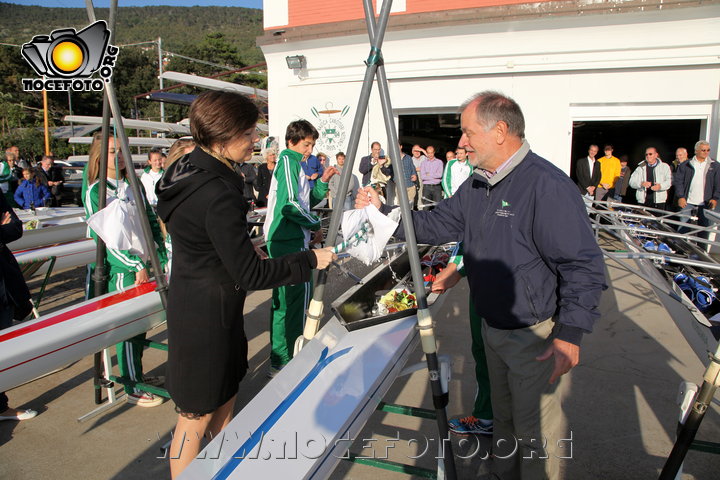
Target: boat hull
{"x": 36, "y": 347}
{"x": 67, "y": 255}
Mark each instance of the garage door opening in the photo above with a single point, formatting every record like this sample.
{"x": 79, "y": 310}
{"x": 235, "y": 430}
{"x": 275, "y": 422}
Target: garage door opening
{"x": 439, "y": 130}
{"x": 630, "y": 138}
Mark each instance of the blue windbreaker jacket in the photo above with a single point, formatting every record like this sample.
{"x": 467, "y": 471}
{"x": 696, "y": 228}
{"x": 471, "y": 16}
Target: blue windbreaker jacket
{"x": 529, "y": 251}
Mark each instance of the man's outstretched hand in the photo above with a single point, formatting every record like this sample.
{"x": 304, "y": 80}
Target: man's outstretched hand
{"x": 366, "y": 196}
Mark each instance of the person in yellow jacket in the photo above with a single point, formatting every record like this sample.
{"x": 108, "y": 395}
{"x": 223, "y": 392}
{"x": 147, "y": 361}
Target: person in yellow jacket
{"x": 610, "y": 170}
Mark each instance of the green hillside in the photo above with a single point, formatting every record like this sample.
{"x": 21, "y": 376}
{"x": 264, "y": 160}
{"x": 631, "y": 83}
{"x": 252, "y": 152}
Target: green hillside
{"x": 198, "y": 40}
{"x": 180, "y": 27}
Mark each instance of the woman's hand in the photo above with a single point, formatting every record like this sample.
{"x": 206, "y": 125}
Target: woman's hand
{"x": 6, "y": 218}
{"x": 324, "y": 256}
{"x": 141, "y": 277}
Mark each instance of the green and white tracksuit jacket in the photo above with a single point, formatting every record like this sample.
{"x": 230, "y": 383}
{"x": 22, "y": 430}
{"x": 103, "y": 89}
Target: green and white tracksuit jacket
{"x": 121, "y": 267}
{"x": 290, "y": 200}
{"x": 455, "y": 173}
{"x": 287, "y": 230}
{"x": 122, "y": 261}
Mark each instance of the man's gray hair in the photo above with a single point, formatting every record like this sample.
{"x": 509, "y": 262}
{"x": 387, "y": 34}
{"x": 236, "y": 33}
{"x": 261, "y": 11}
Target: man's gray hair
{"x": 700, "y": 143}
{"x": 492, "y": 107}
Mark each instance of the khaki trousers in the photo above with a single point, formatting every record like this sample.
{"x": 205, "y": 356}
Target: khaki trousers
{"x": 411, "y": 194}
{"x": 526, "y": 408}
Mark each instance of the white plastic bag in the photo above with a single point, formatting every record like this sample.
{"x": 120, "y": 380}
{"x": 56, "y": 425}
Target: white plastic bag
{"x": 118, "y": 224}
{"x": 380, "y": 232}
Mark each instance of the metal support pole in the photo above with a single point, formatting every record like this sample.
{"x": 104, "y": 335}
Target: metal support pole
{"x": 46, "y": 127}
{"x": 688, "y": 430}
{"x": 130, "y": 167}
{"x": 137, "y": 194}
{"x": 99, "y": 276}
{"x": 160, "y": 78}
{"x": 425, "y": 323}
{"x": 72, "y": 126}
{"x": 315, "y": 309}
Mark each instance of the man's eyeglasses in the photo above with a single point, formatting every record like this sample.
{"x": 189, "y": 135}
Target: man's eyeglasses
{"x": 704, "y": 149}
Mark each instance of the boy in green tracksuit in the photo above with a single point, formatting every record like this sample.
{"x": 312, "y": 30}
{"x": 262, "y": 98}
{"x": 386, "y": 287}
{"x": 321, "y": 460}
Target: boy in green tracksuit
{"x": 122, "y": 268}
{"x": 480, "y": 421}
{"x": 456, "y": 172}
{"x": 287, "y": 230}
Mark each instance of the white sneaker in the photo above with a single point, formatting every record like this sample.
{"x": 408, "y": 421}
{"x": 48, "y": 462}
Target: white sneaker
{"x": 144, "y": 399}
{"x": 26, "y": 415}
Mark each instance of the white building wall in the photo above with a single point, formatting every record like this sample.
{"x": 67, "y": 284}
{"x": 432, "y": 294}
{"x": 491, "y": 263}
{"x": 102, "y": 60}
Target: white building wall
{"x": 275, "y": 13}
{"x": 653, "y": 65}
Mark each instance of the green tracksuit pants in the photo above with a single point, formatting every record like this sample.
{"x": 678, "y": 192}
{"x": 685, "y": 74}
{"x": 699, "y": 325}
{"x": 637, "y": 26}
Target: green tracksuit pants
{"x": 129, "y": 355}
{"x": 483, "y": 405}
{"x": 287, "y": 311}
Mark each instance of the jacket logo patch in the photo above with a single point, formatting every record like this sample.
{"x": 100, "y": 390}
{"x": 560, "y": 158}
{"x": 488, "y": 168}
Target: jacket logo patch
{"x": 503, "y": 210}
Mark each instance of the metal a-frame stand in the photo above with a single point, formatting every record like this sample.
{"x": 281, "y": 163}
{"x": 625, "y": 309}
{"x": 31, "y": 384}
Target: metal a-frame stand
{"x": 111, "y": 106}
{"x": 688, "y": 429}
{"x": 694, "y": 403}
{"x": 375, "y": 67}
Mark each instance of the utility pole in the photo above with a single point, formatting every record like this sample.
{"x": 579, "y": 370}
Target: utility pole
{"x": 160, "y": 69}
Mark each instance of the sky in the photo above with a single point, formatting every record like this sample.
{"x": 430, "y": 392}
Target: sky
{"x": 140, "y": 3}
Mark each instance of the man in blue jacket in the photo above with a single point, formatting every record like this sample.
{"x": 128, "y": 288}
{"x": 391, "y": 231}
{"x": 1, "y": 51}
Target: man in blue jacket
{"x": 535, "y": 273}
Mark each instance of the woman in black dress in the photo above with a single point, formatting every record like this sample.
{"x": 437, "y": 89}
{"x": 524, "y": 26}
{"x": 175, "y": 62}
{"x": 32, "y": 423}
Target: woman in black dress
{"x": 214, "y": 265}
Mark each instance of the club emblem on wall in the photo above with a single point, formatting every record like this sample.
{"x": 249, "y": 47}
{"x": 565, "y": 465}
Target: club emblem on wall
{"x": 331, "y": 127}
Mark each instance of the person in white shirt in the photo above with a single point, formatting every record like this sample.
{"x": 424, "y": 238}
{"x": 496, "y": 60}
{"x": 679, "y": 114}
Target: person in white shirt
{"x": 651, "y": 180}
{"x": 418, "y": 156}
{"x": 152, "y": 174}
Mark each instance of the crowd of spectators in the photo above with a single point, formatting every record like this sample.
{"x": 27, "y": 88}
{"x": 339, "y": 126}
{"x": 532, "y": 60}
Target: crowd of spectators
{"x": 685, "y": 185}
{"x": 16, "y": 174}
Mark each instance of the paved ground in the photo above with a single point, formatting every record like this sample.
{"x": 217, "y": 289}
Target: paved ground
{"x": 620, "y": 401}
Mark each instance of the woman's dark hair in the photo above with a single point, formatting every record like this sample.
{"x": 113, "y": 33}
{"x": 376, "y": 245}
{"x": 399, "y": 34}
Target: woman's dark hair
{"x": 298, "y": 131}
{"x": 218, "y": 117}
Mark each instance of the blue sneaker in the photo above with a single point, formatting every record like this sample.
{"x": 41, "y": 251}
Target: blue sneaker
{"x": 650, "y": 246}
{"x": 470, "y": 425}
{"x": 704, "y": 299}
{"x": 664, "y": 248}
